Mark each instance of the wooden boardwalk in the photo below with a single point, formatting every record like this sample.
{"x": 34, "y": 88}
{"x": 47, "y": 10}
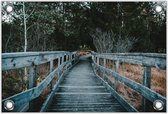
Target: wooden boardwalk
{"x": 79, "y": 87}
{"x": 81, "y": 91}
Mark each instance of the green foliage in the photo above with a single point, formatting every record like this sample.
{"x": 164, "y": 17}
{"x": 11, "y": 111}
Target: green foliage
{"x": 66, "y": 25}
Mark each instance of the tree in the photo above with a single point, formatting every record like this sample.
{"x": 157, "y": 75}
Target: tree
{"x": 67, "y": 25}
{"x": 25, "y": 28}
{"x": 107, "y": 42}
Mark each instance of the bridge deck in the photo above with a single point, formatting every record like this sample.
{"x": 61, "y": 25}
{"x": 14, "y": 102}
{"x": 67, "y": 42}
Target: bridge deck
{"x": 81, "y": 91}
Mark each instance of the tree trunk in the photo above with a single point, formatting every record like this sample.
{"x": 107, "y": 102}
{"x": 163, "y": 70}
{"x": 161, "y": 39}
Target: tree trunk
{"x": 25, "y": 42}
{"x": 25, "y": 29}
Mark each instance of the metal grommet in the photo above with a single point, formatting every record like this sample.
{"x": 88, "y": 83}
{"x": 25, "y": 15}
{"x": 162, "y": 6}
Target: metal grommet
{"x": 158, "y": 105}
{"x": 158, "y": 8}
{"x": 9, "y": 7}
{"x": 9, "y": 105}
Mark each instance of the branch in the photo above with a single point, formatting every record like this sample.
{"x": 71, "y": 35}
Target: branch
{"x": 30, "y": 14}
{"x": 29, "y": 27}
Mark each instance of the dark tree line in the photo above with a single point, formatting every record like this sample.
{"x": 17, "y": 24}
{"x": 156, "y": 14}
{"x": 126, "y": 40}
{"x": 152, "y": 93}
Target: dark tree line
{"x": 70, "y": 25}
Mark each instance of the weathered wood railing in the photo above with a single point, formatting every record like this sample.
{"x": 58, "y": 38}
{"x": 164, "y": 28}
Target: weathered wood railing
{"x": 146, "y": 60}
{"x": 23, "y": 100}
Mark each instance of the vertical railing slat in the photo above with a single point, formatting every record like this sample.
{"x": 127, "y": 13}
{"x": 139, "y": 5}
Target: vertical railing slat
{"x": 104, "y": 64}
{"x": 51, "y": 65}
{"x": 62, "y": 59}
{"x": 32, "y": 77}
{"x": 32, "y": 83}
{"x": 97, "y": 60}
{"x": 51, "y": 69}
{"x": 147, "y": 83}
{"x": 116, "y": 70}
{"x": 59, "y": 61}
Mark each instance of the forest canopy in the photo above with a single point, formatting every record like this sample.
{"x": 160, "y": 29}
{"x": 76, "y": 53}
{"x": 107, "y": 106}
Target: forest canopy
{"x": 98, "y": 26}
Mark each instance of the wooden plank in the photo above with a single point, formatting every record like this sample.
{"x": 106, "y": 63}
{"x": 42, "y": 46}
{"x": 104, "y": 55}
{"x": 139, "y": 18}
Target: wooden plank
{"x": 97, "y": 60}
{"x": 104, "y": 73}
{"x": 24, "y": 108}
{"x": 32, "y": 83}
{"x": 69, "y": 57}
{"x": 147, "y": 77}
{"x": 50, "y": 97}
{"x": 159, "y": 55}
{"x": 26, "y": 96}
{"x": 62, "y": 59}
{"x": 27, "y": 54}
{"x": 59, "y": 61}
{"x": 66, "y": 57}
{"x": 19, "y": 62}
{"x": 116, "y": 70}
{"x": 51, "y": 65}
{"x": 153, "y": 61}
{"x": 83, "y": 97}
{"x": 147, "y": 83}
{"x": 75, "y": 52}
{"x": 123, "y": 102}
{"x": 46, "y": 81}
{"x": 51, "y": 69}
{"x": 93, "y": 58}
{"x": 26, "y": 59}
{"x": 32, "y": 77}
{"x": 33, "y": 93}
{"x": 146, "y": 92}
{"x": 19, "y": 99}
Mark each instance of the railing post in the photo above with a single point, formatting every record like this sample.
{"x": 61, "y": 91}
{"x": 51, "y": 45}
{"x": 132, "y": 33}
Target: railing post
{"x": 66, "y": 58}
{"x": 93, "y": 58}
{"x": 104, "y": 73}
{"x": 97, "y": 60}
{"x": 147, "y": 83}
{"x": 51, "y": 66}
{"x": 59, "y": 62}
{"x": 32, "y": 77}
{"x": 51, "y": 69}
{"x": 62, "y": 59}
{"x": 116, "y": 70}
{"x": 74, "y": 55}
{"x": 32, "y": 83}
{"x": 71, "y": 57}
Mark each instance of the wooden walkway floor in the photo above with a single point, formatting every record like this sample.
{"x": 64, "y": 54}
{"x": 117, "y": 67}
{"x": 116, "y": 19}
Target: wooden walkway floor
{"x": 81, "y": 91}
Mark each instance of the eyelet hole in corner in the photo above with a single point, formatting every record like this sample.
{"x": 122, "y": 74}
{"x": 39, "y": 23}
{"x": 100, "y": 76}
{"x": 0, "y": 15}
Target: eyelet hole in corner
{"x": 9, "y": 105}
{"x": 158, "y": 105}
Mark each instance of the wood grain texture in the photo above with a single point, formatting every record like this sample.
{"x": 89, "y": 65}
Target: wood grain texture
{"x": 81, "y": 91}
{"x": 146, "y": 59}
{"x": 146, "y": 92}
{"x": 120, "y": 99}
{"x": 30, "y": 94}
{"x": 48, "y": 101}
{"x": 15, "y": 62}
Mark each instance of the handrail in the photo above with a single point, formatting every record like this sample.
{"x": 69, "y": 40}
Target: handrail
{"x": 160, "y": 55}
{"x": 15, "y": 60}
{"x": 37, "y": 59}
{"x": 142, "y": 89}
{"x": 23, "y": 54}
{"x": 146, "y": 59}
{"x": 146, "y": 92}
